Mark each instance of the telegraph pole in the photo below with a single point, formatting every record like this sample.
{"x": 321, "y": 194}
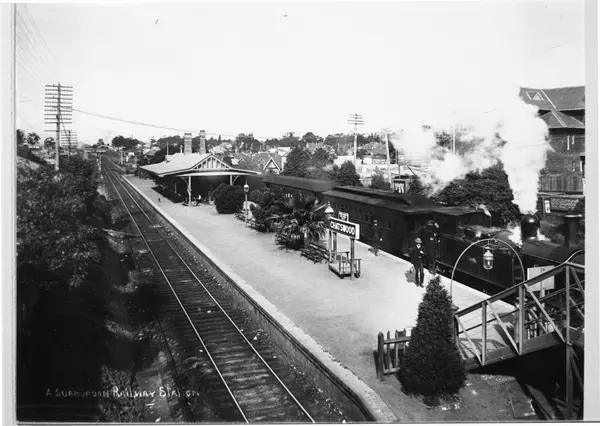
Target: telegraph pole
{"x": 387, "y": 151}
{"x": 59, "y": 110}
{"x": 71, "y": 138}
{"x": 356, "y": 119}
{"x": 454, "y": 139}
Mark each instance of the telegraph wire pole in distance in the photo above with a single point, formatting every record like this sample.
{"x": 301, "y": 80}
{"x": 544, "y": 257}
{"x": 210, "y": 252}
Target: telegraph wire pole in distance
{"x": 356, "y": 119}
{"x": 59, "y": 109}
{"x": 387, "y": 151}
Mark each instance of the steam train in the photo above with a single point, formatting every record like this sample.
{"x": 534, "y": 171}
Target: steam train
{"x": 445, "y": 231}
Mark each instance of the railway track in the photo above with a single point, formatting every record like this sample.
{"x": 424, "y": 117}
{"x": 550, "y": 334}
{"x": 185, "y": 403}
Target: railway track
{"x": 242, "y": 384}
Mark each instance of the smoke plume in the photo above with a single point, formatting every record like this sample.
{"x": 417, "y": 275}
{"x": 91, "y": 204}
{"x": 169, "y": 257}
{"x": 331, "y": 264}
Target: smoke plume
{"x": 495, "y": 125}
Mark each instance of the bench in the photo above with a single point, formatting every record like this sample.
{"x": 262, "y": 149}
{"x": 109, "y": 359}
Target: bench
{"x": 315, "y": 252}
{"x": 341, "y": 264}
{"x": 241, "y": 216}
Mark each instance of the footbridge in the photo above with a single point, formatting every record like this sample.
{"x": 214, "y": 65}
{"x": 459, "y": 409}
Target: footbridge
{"x": 542, "y": 312}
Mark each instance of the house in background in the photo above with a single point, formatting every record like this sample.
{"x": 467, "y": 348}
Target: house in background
{"x": 563, "y": 110}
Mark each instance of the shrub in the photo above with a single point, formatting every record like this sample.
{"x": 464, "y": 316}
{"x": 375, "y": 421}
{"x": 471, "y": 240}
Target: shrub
{"x": 298, "y": 228}
{"x": 379, "y": 182}
{"x": 269, "y": 205}
{"x": 432, "y": 364}
{"x": 229, "y": 199}
{"x": 218, "y": 189}
{"x": 255, "y": 195}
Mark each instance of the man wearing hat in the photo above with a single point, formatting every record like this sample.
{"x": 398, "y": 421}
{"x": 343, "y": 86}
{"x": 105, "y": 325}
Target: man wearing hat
{"x": 375, "y": 238}
{"x": 431, "y": 245}
{"x": 417, "y": 256}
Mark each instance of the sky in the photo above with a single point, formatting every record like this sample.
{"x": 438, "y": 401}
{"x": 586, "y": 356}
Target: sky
{"x": 272, "y": 68}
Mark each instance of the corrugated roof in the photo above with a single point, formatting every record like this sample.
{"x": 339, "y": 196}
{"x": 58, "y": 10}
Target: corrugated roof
{"x": 380, "y": 202}
{"x": 314, "y": 185}
{"x": 178, "y": 163}
{"x": 406, "y": 199}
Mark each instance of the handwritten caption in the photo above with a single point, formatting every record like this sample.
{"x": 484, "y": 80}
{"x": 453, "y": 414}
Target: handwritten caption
{"x": 116, "y": 392}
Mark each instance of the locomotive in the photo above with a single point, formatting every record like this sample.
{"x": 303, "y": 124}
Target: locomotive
{"x": 447, "y": 231}
{"x": 531, "y": 250}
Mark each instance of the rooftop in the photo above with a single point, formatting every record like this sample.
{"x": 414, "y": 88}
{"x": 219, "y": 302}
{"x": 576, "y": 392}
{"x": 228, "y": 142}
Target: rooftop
{"x": 175, "y": 163}
{"x": 557, "y": 99}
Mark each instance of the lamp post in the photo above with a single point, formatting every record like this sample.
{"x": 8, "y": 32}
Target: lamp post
{"x": 488, "y": 257}
{"x": 246, "y": 189}
{"x": 328, "y": 213}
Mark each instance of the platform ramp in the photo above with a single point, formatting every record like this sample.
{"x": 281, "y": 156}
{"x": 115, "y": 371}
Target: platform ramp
{"x": 541, "y": 312}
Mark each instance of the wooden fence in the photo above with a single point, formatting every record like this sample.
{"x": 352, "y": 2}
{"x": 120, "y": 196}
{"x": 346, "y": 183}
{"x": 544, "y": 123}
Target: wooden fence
{"x": 390, "y": 352}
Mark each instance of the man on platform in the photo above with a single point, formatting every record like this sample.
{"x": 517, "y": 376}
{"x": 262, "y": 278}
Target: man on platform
{"x": 375, "y": 238}
{"x": 432, "y": 246}
{"x": 417, "y": 257}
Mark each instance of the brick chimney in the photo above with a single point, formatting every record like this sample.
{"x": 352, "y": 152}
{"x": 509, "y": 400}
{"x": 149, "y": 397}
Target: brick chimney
{"x": 571, "y": 226}
{"x": 187, "y": 143}
{"x": 202, "y": 142}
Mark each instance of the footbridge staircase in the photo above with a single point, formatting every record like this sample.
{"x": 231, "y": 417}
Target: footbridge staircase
{"x": 542, "y": 312}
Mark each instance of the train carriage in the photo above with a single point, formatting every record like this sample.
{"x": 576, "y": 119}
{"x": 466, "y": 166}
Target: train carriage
{"x": 402, "y": 218}
{"x": 399, "y": 216}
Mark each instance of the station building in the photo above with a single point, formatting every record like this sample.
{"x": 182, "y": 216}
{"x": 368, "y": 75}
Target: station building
{"x": 188, "y": 174}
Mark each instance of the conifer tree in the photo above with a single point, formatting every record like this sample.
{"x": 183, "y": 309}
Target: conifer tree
{"x": 432, "y": 365}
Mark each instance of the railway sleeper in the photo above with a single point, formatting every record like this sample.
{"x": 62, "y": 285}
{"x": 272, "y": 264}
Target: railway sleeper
{"x": 275, "y": 415}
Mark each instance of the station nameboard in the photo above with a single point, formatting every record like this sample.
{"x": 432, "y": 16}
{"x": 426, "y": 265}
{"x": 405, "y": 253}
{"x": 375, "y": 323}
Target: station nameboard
{"x": 563, "y": 204}
{"x": 349, "y": 229}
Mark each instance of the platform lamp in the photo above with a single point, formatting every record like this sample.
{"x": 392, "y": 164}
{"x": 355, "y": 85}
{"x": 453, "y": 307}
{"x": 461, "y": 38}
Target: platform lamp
{"x": 328, "y": 213}
{"x": 246, "y": 189}
{"x": 488, "y": 259}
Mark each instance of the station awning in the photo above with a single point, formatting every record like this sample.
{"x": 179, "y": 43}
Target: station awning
{"x": 232, "y": 172}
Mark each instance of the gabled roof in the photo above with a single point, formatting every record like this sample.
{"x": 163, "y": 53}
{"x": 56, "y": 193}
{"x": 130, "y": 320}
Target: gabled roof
{"x": 558, "y": 120}
{"x": 558, "y": 99}
{"x": 177, "y": 163}
{"x": 272, "y": 161}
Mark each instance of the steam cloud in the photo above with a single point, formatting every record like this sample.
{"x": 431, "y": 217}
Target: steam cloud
{"x": 496, "y": 125}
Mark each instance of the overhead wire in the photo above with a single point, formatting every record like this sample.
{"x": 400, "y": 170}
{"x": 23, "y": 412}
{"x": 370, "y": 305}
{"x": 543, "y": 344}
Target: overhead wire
{"x": 34, "y": 59}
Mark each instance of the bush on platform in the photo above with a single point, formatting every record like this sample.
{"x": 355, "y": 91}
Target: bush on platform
{"x": 432, "y": 365}
{"x": 298, "y": 228}
{"x": 269, "y": 205}
{"x": 229, "y": 199}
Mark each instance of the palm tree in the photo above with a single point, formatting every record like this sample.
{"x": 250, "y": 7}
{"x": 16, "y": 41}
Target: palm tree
{"x": 300, "y": 227}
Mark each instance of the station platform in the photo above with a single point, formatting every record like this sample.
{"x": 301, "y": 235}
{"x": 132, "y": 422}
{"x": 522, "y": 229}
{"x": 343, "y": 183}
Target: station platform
{"x": 344, "y": 316}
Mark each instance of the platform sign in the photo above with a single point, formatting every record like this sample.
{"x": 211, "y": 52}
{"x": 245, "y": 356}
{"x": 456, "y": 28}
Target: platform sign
{"x": 547, "y": 284}
{"x": 344, "y": 216}
{"x": 343, "y": 227}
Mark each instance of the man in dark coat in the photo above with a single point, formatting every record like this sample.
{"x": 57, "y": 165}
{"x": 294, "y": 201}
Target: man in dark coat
{"x": 375, "y": 238}
{"x": 417, "y": 257}
{"x": 432, "y": 246}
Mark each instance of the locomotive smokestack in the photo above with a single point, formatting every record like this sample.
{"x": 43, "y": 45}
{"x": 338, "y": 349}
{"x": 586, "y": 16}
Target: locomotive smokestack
{"x": 571, "y": 224}
{"x": 529, "y": 227}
